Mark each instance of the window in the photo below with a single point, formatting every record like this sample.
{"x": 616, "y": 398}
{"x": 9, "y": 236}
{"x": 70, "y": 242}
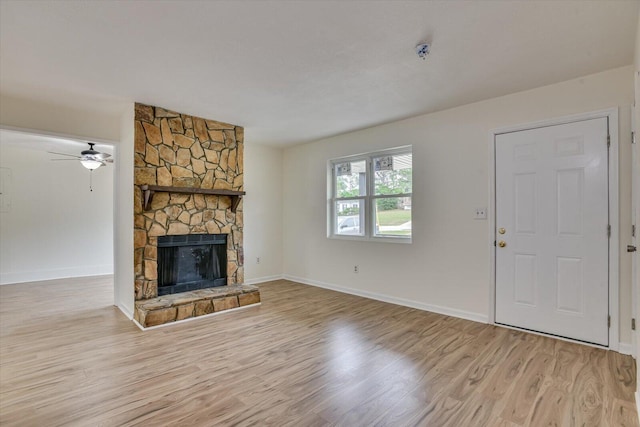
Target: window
{"x": 370, "y": 196}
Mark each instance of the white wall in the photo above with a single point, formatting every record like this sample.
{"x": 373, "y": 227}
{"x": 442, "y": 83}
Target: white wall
{"x": 447, "y": 266}
{"x": 56, "y": 227}
{"x": 262, "y": 207}
{"x": 124, "y": 276}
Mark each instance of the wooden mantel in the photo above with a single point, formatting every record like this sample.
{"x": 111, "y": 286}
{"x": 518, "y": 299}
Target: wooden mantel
{"x": 150, "y": 190}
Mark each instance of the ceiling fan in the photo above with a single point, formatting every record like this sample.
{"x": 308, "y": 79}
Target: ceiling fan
{"x": 90, "y": 159}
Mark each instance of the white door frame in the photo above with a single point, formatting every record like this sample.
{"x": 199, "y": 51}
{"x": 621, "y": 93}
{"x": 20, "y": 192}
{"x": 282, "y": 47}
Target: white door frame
{"x": 614, "y": 241}
{"x": 635, "y": 221}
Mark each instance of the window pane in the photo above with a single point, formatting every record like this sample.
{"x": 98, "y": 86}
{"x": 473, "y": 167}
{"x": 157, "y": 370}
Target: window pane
{"x": 393, "y": 216}
{"x": 349, "y": 218}
{"x": 351, "y": 179}
{"x": 392, "y": 174}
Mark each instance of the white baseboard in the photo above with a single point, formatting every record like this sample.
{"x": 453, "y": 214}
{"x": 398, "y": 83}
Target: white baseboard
{"x": 638, "y": 404}
{"x": 447, "y": 311}
{"x": 58, "y": 273}
{"x": 125, "y": 311}
{"x": 625, "y": 348}
{"x": 263, "y": 279}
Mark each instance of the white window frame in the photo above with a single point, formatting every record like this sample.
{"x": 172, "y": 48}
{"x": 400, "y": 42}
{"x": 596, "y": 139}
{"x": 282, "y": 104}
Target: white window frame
{"x": 368, "y": 200}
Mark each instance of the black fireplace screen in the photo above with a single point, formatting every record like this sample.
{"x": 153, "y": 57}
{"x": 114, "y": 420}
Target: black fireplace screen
{"x": 190, "y": 262}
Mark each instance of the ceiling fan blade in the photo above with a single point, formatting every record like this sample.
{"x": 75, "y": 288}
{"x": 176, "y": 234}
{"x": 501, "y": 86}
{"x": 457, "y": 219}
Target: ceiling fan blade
{"x": 64, "y": 154}
{"x": 108, "y": 160}
{"x": 102, "y": 156}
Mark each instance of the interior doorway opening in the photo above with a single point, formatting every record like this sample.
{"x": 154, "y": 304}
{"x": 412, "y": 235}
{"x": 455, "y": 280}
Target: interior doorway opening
{"x": 56, "y": 216}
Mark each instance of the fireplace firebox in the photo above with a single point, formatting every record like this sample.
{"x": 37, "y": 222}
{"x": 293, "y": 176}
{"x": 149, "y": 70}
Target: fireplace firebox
{"x": 191, "y": 262}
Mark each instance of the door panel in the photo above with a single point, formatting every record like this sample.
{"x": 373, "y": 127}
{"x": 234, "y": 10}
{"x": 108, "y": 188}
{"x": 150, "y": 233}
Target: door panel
{"x": 525, "y": 200}
{"x": 569, "y": 285}
{"x": 570, "y": 201}
{"x": 525, "y": 280}
{"x": 552, "y": 202}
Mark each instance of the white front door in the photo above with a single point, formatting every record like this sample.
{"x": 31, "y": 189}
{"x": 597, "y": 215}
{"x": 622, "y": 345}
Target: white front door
{"x": 552, "y": 243}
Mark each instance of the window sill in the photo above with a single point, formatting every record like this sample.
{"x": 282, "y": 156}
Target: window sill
{"x": 401, "y": 240}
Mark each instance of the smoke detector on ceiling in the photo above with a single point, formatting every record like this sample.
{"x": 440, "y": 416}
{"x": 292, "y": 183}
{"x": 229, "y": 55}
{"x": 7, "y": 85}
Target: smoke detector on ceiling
{"x": 422, "y": 50}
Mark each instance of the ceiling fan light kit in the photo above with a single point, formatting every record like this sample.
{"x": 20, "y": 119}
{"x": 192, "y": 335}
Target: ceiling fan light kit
{"x": 92, "y": 159}
{"x": 91, "y": 164}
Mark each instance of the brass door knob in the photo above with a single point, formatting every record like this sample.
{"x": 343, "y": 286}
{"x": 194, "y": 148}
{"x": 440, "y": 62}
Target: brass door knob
{"x": 501, "y": 230}
{"x": 502, "y": 243}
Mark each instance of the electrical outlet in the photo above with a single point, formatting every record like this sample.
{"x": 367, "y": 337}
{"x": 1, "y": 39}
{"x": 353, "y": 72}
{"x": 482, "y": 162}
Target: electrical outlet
{"x": 257, "y": 260}
{"x": 480, "y": 213}
{"x": 355, "y": 269}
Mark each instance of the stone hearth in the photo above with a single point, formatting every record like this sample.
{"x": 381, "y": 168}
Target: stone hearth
{"x": 170, "y": 308}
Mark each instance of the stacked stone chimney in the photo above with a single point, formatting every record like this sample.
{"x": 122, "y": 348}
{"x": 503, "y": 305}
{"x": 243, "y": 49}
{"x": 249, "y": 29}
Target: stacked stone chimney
{"x": 178, "y": 150}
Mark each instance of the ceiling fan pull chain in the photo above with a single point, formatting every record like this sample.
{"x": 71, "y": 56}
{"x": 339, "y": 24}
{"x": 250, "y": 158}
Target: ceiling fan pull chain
{"x": 90, "y": 180}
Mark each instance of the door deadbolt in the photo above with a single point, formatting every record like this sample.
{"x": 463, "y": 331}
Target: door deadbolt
{"x": 501, "y": 230}
{"x": 502, "y": 243}
{"x": 631, "y": 248}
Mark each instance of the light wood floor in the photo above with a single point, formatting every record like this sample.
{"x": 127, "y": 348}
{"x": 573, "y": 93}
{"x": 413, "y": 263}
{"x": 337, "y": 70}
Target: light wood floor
{"x": 305, "y": 357}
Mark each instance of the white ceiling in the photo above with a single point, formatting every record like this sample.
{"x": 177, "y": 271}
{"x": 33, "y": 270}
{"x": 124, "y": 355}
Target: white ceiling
{"x": 296, "y": 71}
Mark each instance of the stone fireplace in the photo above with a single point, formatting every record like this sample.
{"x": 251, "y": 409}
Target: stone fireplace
{"x": 188, "y": 187}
